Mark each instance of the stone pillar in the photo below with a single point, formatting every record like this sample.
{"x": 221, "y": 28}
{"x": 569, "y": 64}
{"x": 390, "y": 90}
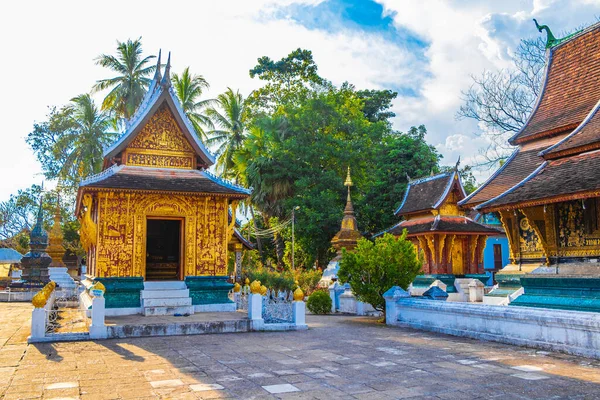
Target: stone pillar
{"x": 97, "y": 328}
{"x": 299, "y": 313}
{"x": 255, "y": 307}
{"x": 476, "y": 291}
{"x": 238, "y": 262}
{"x": 391, "y": 297}
{"x": 38, "y": 324}
{"x": 332, "y": 296}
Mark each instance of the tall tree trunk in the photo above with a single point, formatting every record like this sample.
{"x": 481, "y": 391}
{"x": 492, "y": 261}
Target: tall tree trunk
{"x": 279, "y": 249}
{"x": 258, "y": 243}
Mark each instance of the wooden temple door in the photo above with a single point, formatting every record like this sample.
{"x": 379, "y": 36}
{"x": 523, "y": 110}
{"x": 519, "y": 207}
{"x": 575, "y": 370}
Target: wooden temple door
{"x": 458, "y": 259}
{"x": 164, "y": 249}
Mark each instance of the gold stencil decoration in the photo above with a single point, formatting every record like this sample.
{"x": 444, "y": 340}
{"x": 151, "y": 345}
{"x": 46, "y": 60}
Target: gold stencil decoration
{"x": 161, "y": 144}
{"x": 121, "y": 248}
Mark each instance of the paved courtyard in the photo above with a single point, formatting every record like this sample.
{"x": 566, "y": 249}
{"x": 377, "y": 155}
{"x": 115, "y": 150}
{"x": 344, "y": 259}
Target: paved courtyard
{"x": 338, "y": 357}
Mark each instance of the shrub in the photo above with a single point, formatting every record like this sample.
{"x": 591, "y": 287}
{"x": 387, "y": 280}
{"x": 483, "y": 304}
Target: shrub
{"x": 319, "y": 302}
{"x": 272, "y": 279}
{"x": 372, "y": 268}
{"x": 308, "y": 279}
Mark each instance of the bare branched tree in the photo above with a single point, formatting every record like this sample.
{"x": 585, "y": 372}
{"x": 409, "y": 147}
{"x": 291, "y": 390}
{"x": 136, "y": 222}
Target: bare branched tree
{"x": 502, "y": 101}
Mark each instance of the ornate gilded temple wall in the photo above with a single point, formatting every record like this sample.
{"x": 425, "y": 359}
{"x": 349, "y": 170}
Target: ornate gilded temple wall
{"x": 122, "y": 217}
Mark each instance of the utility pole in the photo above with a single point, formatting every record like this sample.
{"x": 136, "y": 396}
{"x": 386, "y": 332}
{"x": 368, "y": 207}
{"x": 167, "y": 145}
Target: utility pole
{"x": 293, "y": 226}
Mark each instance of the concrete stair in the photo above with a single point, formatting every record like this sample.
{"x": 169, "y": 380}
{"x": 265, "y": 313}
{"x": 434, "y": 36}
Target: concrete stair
{"x": 166, "y": 298}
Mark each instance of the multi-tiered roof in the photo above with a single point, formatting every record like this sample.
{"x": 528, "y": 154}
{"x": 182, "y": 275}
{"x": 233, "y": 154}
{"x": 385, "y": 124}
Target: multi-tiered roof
{"x": 557, "y": 155}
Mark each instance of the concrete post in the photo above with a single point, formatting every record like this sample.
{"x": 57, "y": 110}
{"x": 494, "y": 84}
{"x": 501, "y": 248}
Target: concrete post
{"x": 391, "y": 297}
{"x": 38, "y": 323}
{"x": 332, "y": 296}
{"x": 97, "y": 328}
{"x": 476, "y": 291}
{"x": 299, "y": 313}
{"x": 255, "y": 307}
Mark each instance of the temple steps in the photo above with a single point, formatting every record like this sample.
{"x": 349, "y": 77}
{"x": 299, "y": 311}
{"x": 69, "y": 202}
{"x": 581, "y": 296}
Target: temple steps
{"x": 166, "y": 298}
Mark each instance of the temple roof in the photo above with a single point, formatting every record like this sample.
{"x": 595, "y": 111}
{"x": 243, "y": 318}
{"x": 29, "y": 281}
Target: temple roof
{"x": 442, "y": 224}
{"x": 553, "y": 181}
{"x": 570, "y": 89}
{"x": 159, "y": 92}
{"x": 163, "y": 179}
{"x": 586, "y": 137}
{"x": 428, "y": 193}
{"x": 516, "y": 168}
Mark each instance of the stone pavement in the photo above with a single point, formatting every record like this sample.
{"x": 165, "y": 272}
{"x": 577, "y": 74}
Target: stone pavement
{"x": 338, "y": 357}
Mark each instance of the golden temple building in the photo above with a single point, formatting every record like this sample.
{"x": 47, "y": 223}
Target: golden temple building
{"x": 547, "y": 192}
{"x": 155, "y": 214}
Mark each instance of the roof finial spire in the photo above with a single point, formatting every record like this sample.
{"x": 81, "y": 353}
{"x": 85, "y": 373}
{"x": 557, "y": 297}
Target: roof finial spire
{"x": 157, "y": 75}
{"x": 348, "y": 181}
{"x": 457, "y": 164}
{"x": 550, "y": 39}
{"x": 166, "y": 80}
{"x": 408, "y": 178}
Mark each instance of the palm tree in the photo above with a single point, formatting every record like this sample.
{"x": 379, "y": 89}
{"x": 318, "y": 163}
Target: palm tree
{"x": 132, "y": 80}
{"x": 189, "y": 89}
{"x": 230, "y": 133}
{"x": 255, "y": 164}
{"x": 85, "y": 141}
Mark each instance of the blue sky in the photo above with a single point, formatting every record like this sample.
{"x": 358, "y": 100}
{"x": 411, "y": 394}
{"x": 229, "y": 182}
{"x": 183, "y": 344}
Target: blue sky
{"x": 424, "y": 49}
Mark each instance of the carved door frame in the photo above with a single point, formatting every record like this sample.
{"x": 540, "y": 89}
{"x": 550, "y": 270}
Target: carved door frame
{"x": 181, "y": 219}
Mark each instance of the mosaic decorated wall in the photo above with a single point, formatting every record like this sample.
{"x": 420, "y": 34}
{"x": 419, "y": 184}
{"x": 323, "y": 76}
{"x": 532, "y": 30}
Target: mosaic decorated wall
{"x": 121, "y": 242}
{"x": 578, "y": 233}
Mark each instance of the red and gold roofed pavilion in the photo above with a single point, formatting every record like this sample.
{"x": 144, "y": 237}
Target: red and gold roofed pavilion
{"x": 547, "y": 192}
{"x": 155, "y": 212}
{"x": 452, "y": 243}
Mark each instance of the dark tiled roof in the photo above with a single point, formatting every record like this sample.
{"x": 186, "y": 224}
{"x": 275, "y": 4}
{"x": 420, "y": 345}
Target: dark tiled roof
{"x": 571, "y": 87}
{"x": 443, "y": 224}
{"x": 164, "y": 179}
{"x": 515, "y": 169}
{"x": 564, "y": 177}
{"x": 424, "y": 194}
{"x": 585, "y": 136}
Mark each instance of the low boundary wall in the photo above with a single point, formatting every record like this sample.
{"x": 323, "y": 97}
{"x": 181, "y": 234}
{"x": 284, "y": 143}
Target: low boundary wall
{"x": 567, "y": 331}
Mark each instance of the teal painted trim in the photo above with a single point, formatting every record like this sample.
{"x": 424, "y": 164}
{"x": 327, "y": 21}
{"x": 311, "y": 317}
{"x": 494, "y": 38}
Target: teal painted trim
{"x": 483, "y": 278}
{"x": 122, "y": 292}
{"x": 559, "y": 292}
{"x": 424, "y": 281}
{"x": 209, "y": 289}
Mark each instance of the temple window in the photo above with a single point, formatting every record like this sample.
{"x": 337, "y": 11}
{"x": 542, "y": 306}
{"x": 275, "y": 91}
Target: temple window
{"x": 590, "y": 216}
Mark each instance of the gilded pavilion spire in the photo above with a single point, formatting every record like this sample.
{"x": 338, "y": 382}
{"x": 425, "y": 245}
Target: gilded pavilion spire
{"x": 56, "y": 249}
{"x": 348, "y": 234}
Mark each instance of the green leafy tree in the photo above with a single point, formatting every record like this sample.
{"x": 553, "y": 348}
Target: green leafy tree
{"x": 374, "y": 267}
{"x": 229, "y": 120}
{"x": 189, "y": 89}
{"x": 288, "y": 80}
{"x": 128, "y": 88}
{"x": 70, "y": 144}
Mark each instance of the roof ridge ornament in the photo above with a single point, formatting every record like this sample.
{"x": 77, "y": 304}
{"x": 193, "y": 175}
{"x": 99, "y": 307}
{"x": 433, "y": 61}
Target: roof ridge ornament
{"x": 166, "y": 79}
{"x": 457, "y": 164}
{"x": 157, "y": 75}
{"x": 550, "y": 39}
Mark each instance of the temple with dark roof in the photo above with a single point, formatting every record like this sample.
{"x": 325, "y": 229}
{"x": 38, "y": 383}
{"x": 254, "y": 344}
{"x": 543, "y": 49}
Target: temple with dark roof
{"x": 451, "y": 243}
{"x": 155, "y": 218}
{"x": 547, "y": 192}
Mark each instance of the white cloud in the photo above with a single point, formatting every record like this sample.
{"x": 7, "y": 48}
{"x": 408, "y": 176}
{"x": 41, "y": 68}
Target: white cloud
{"x": 49, "y": 50}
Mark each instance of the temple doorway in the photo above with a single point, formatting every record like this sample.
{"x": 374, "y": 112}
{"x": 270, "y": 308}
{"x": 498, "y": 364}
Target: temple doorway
{"x": 163, "y": 249}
